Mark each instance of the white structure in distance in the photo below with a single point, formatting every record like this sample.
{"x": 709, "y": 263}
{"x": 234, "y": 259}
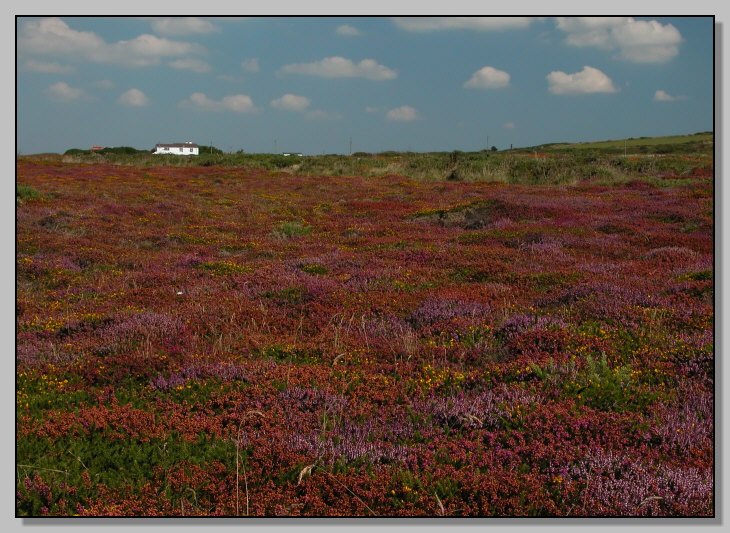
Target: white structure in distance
{"x": 186, "y": 148}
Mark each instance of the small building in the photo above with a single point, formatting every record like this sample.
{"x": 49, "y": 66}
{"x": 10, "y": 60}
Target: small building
{"x": 96, "y": 148}
{"x": 186, "y": 148}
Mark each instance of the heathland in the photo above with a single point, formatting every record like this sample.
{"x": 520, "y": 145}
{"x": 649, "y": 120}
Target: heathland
{"x": 496, "y": 333}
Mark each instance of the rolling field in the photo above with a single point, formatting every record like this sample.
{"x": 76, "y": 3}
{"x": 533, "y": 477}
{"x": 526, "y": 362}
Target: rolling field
{"x": 220, "y": 341}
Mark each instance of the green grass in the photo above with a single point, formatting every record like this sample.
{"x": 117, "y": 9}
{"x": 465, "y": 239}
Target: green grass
{"x": 25, "y": 193}
{"x": 75, "y": 466}
{"x": 289, "y": 230}
{"x": 632, "y": 142}
{"x": 224, "y": 268}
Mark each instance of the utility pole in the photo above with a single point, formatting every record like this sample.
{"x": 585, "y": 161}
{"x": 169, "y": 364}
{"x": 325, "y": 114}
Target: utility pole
{"x": 487, "y": 142}
{"x": 624, "y": 147}
{"x": 350, "y": 145}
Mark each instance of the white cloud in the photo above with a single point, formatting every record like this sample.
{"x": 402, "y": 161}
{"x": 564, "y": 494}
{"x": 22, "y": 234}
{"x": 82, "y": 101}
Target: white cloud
{"x": 340, "y": 67}
{"x": 250, "y": 65}
{"x": 348, "y": 31}
{"x": 182, "y": 26}
{"x": 291, "y": 102}
{"x": 640, "y": 41}
{"x": 47, "y": 68}
{"x": 319, "y": 114}
{"x": 52, "y": 36}
{"x": 488, "y": 78}
{"x": 190, "y": 63}
{"x": 63, "y": 92}
{"x": 423, "y": 24}
{"x": 403, "y": 113}
{"x": 238, "y": 103}
{"x": 509, "y": 125}
{"x": 104, "y": 84}
{"x": 133, "y": 98}
{"x": 664, "y": 96}
{"x": 588, "y": 80}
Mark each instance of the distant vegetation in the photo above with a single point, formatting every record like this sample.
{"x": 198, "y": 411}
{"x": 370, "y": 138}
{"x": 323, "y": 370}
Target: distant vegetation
{"x": 659, "y": 160}
{"x": 114, "y": 150}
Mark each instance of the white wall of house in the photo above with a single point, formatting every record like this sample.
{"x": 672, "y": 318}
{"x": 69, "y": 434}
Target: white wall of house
{"x": 176, "y": 150}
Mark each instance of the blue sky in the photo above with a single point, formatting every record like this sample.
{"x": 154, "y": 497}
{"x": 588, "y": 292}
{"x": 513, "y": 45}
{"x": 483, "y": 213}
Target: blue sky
{"x": 311, "y": 84}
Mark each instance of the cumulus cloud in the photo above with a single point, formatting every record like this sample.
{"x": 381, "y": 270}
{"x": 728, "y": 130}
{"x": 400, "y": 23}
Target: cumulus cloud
{"x": 348, "y": 31}
{"x": 250, "y": 65}
{"x": 372, "y": 109}
{"x": 133, "y": 98}
{"x": 424, "y": 24}
{"x": 340, "y": 67}
{"x": 404, "y": 113}
{"x": 238, "y": 103}
{"x": 488, "y": 78}
{"x": 639, "y": 41}
{"x": 47, "y": 68}
{"x": 664, "y": 96}
{"x": 588, "y": 80}
{"x": 190, "y": 63}
{"x": 63, "y": 92}
{"x": 509, "y": 125}
{"x": 53, "y": 37}
{"x": 291, "y": 102}
{"x": 182, "y": 26}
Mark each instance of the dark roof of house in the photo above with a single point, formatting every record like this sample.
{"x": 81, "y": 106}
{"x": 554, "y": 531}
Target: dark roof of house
{"x": 178, "y": 145}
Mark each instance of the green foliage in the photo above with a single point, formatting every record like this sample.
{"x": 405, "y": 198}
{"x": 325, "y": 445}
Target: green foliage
{"x": 74, "y": 467}
{"x": 290, "y": 354}
{"x": 287, "y": 296}
{"x": 223, "y": 268}
{"x": 701, "y": 275}
{"x": 125, "y": 150}
{"x": 25, "y": 193}
{"x": 314, "y": 269}
{"x": 40, "y": 392}
{"x": 607, "y": 388}
{"x": 289, "y": 230}
{"x": 663, "y": 161}
{"x": 209, "y": 149}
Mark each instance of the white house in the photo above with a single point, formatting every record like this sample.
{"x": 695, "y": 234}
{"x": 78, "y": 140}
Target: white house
{"x": 186, "y": 148}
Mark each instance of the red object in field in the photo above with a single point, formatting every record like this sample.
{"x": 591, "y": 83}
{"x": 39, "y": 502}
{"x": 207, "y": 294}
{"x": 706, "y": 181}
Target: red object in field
{"x": 96, "y": 148}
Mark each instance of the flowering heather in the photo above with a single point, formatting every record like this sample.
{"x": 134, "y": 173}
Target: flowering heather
{"x": 615, "y": 483}
{"x": 488, "y": 409}
{"x": 521, "y": 323}
{"x": 219, "y": 371}
{"x": 222, "y": 341}
{"x": 439, "y": 311}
